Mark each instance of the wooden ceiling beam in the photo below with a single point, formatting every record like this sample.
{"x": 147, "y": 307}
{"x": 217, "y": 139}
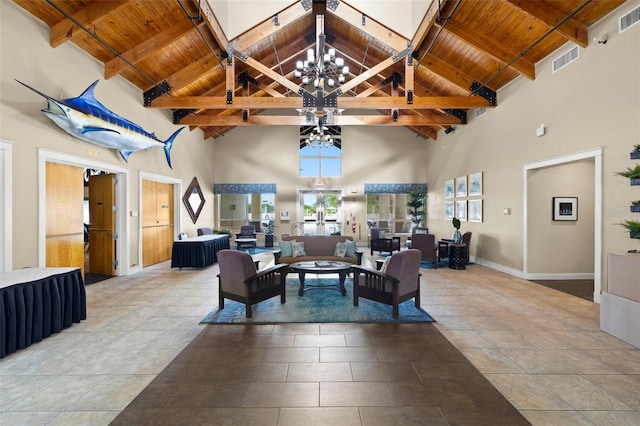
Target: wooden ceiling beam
{"x": 213, "y": 24}
{"x": 346, "y": 102}
{"x": 340, "y": 120}
{"x": 191, "y": 73}
{"x": 93, "y": 14}
{"x": 522, "y": 65}
{"x": 270, "y": 73}
{"x": 150, "y": 46}
{"x": 371, "y": 27}
{"x": 449, "y": 73}
{"x": 427, "y": 22}
{"x": 268, "y": 28}
{"x": 572, "y": 29}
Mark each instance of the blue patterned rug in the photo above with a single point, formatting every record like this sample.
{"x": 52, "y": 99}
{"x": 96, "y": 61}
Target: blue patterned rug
{"x": 320, "y": 305}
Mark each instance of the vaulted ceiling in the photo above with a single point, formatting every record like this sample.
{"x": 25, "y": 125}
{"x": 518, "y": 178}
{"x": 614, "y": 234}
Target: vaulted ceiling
{"x": 461, "y": 54}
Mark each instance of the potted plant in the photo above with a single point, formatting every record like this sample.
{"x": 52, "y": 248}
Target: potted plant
{"x": 635, "y": 206}
{"x": 457, "y": 235}
{"x": 223, "y": 231}
{"x": 635, "y": 154}
{"x": 632, "y": 174}
{"x": 633, "y": 227}
{"x": 268, "y": 234}
{"x": 415, "y": 205}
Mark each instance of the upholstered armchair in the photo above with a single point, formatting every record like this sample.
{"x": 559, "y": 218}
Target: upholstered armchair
{"x": 205, "y": 231}
{"x": 426, "y": 243}
{"x": 382, "y": 244}
{"x": 416, "y": 230}
{"x": 240, "y": 281}
{"x": 246, "y": 231}
{"x": 398, "y": 282}
{"x": 443, "y": 246}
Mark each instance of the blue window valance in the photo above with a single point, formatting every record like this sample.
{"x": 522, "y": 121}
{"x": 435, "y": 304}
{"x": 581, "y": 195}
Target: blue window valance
{"x": 244, "y": 188}
{"x": 392, "y": 188}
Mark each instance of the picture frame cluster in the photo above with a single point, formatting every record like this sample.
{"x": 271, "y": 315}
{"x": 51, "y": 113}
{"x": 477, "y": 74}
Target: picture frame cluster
{"x": 461, "y": 202}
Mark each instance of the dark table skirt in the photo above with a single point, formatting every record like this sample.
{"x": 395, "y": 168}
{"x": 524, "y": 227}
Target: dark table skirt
{"x": 32, "y": 311}
{"x": 198, "y": 253}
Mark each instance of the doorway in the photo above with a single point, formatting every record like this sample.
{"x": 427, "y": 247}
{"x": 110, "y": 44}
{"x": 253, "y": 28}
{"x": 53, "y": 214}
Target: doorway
{"x": 596, "y": 156}
{"x": 100, "y": 225}
{"x": 121, "y": 250}
{"x": 321, "y": 210}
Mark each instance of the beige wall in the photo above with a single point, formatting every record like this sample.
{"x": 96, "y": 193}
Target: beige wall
{"x": 592, "y": 103}
{"x": 65, "y": 72}
{"x": 370, "y": 155}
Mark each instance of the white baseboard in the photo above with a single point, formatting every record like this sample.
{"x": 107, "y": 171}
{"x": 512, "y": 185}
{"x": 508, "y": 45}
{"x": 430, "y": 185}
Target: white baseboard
{"x": 576, "y": 276}
{"x": 498, "y": 267}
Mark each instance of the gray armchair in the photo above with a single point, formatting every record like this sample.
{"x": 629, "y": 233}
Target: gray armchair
{"x": 240, "y": 281}
{"x": 426, "y": 243}
{"x": 205, "y": 231}
{"x": 246, "y": 231}
{"x": 398, "y": 283}
{"x": 382, "y": 244}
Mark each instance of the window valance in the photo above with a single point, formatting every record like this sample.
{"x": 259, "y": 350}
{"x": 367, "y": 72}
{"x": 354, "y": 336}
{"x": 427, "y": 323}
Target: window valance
{"x": 244, "y": 188}
{"x": 392, "y": 188}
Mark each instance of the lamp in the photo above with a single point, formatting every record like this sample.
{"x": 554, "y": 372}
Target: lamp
{"x": 318, "y": 137}
{"x": 321, "y": 66}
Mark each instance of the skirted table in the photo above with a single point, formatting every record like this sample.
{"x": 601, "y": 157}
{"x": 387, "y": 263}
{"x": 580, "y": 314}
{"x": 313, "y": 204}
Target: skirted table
{"x": 198, "y": 252}
{"x": 38, "y": 302}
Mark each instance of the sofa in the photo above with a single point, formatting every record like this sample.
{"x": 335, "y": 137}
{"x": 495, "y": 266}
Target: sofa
{"x": 316, "y": 247}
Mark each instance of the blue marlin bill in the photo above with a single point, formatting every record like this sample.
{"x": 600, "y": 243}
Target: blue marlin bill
{"x": 86, "y": 118}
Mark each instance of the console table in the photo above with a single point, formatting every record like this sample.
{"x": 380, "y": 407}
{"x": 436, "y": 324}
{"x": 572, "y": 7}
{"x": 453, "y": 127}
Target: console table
{"x": 38, "y": 302}
{"x": 198, "y": 252}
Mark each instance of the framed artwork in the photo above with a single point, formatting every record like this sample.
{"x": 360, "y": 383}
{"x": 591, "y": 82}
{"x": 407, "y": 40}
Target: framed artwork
{"x": 461, "y": 186}
{"x": 565, "y": 208}
{"x": 475, "y": 210}
{"x": 461, "y": 210}
{"x": 448, "y": 209}
{"x": 475, "y": 184}
{"x": 284, "y": 215}
{"x": 449, "y": 191}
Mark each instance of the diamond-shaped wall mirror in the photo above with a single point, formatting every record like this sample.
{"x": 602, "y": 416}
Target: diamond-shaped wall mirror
{"x": 193, "y": 200}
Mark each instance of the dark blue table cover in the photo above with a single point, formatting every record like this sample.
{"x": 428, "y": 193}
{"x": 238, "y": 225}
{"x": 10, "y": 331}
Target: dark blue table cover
{"x": 198, "y": 252}
{"x": 32, "y": 311}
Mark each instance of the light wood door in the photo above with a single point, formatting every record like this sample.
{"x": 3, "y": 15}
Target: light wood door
{"x": 157, "y": 222}
{"x": 64, "y": 222}
{"x": 102, "y": 213}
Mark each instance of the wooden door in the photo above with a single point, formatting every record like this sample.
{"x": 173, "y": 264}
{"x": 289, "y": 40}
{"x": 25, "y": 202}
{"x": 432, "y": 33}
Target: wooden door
{"x": 64, "y": 222}
{"x": 157, "y": 222}
{"x": 102, "y": 243}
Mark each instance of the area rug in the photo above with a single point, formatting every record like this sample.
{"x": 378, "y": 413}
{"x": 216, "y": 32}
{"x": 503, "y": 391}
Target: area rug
{"x": 316, "y": 306}
{"x": 256, "y": 250}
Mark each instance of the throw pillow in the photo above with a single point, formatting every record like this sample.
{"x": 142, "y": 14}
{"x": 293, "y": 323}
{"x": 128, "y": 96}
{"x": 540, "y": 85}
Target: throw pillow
{"x": 383, "y": 268}
{"x": 298, "y": 249}
{"x": 341, "y": 250}
{"x": 381, "y": 235}
{"x": 352, "y": 249}
{"x": 286, "y": 249}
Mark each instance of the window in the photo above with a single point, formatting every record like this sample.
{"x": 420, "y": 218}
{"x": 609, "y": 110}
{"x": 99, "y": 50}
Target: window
{"x": 318, "y": 158}
{"x": 239, "y": 209}
{"x": 387, "y": 206}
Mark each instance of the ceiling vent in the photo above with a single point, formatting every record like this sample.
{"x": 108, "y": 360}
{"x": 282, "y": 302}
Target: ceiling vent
{"x": 629, "y": 19}
{"x": 566, "y": 58}
{"x": 480, "y": 112}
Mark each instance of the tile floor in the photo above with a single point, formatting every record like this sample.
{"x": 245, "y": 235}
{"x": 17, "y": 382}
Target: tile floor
{"x": 542, "y": 349}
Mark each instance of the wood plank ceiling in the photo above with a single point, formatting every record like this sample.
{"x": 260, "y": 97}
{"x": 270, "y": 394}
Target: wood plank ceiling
{"x": 177, "y": 54}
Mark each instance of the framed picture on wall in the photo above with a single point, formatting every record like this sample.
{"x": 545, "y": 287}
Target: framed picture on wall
{"x": 475, "y": 184}
{"x": 461, "y": 210}
{"x": 461, "y": 186}
{"x": 565, "y": 208}
{"x": 449, "y": 191}
{"x": 448, "y": 210}
{"x": 475, "y": 210}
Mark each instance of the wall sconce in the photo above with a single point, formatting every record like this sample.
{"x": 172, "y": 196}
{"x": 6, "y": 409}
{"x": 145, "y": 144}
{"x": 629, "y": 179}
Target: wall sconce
{"x": 506, "y": 211}
{"x": 449, "y": 130}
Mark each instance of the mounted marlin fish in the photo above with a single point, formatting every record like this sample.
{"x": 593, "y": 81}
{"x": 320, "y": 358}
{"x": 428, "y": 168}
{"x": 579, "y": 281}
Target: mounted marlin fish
{"x": 87, "y": 119}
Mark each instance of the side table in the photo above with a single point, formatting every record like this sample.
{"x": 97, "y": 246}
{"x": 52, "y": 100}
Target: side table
{"x": 457, "y": 256}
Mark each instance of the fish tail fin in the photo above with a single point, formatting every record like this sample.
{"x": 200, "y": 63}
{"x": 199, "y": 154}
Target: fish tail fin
{"x": 168, "y": 144}
{"x": 125, "y": 155}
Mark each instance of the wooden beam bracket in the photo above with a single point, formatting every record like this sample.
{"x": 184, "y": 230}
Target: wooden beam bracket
{"x": 459, "y": 114}
{"x": 485, "y": 92}
{"x": 179, "y": 114}
{"x": 402, "y": 54}
{"x": 244, "y": 79}
{"x": 155, "y": 92}
{"x": 395, "y": 78}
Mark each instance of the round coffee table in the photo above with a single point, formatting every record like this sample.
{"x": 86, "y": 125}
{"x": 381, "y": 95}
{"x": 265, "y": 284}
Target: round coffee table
{"x": 321, "y": 267}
